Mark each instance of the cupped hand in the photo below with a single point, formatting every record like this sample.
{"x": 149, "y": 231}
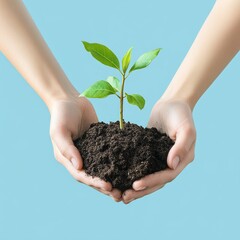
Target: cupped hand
{"x": 69, "y": 119}
{"x": 175, "y": 119}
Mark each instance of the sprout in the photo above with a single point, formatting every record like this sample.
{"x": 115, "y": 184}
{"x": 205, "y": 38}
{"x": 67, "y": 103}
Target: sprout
{"x": 112, "y": 85}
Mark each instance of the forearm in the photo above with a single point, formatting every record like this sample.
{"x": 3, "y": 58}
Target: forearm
{"x": 23, "y": 45}
{"x": 216, "y": 44}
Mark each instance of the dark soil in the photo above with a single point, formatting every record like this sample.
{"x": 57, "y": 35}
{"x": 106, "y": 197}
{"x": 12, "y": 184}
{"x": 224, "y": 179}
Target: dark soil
{"x": 123, "y": 156}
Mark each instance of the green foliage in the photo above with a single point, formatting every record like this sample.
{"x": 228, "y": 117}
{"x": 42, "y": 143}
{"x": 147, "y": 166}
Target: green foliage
{"x": 112, "y": 85}
{"x": 103, "y": 54}
{"x": 136, "y": 99}
{"x": 115, "y": 83}
{"x": 99, "y": 89}
{"x": 145, "y": 59}
{"x": 126, "y": 60}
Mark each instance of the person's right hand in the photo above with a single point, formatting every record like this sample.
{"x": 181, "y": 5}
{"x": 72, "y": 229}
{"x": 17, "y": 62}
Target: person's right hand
{"x": 70, "y": 118}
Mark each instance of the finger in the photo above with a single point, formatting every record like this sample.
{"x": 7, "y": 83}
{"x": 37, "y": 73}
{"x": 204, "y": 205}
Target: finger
{"x": 115, "y": 194}
{"x": 162, "y": 177}
{"x": 102, "y": 191}
{"x": 63, "y": 140}
{"x": 131, "y": 195}
{"x": 81, "y": 176}
{"x": 185, "y": 139}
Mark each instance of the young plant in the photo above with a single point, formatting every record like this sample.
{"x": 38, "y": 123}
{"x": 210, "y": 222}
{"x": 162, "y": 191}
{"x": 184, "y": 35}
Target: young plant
{"x": 112, "y": 85}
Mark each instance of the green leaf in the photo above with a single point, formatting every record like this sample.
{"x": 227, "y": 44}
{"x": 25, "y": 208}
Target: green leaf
{"x": 145, "y": 59}
{"x": 126, "y": 60}
{"x": 103, "y": 54}
{"x": 99, "y": 89}
{"x": 136, "y": 99}
{"x": 115, "y": 83}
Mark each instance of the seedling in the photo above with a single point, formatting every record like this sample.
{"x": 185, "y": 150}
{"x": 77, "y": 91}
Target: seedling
{"x": 112, "y": 85}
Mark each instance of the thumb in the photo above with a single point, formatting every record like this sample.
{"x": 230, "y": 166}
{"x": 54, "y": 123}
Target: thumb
{"x": 63, "y": 141}
{"x": 185, "y": 138}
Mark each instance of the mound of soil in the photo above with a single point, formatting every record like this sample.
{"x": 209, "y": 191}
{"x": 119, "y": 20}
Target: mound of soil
{"x": 123, "y": 156}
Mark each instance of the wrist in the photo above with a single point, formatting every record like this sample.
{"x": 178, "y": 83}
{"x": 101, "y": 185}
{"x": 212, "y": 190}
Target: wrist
{"x": 60, "y": 90}
{"x": 184, "y": 87}
{"x": 179, "y": 96}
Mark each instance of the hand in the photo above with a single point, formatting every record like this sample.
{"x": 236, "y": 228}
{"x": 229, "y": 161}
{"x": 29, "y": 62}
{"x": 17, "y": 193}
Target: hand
{"x": 69, "y": 119}
{"x": 175, "y": 119}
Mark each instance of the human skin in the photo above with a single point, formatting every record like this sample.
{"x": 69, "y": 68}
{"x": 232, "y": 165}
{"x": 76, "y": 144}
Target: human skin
{"x": 214, "y": 47}
{"x": 23, "y": 45}
{"x": 216, "y": 44}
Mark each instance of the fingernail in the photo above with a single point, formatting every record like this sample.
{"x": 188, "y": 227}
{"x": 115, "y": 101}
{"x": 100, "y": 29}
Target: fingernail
{"x": 117, "y": 199}
{"x": 175, "y": 162}
{"x": 74, "y": 163}
{"x": 104, "y": 188}
{"x": 127, "y": 202}
{"x": 141, "y": 188}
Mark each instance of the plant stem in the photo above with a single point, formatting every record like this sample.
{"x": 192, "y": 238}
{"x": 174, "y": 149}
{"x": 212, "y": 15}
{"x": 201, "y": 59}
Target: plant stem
{"x": 121, "y": 102}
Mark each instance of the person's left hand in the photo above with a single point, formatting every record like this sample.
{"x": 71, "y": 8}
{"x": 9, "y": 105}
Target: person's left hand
{"x": 175, "y": 119}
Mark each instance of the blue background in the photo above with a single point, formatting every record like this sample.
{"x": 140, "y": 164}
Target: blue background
{"x": 38, "y": 197}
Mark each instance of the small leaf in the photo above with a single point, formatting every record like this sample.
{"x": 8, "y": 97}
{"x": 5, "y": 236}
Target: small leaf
{"x": 126, "y": 60}
{"x": 103, "y": 54}
{"x": 145, "y": 59}
{"x": 115, "y": 83}
{"x": 136, "y": 99}
{"x": 99, "y": 89}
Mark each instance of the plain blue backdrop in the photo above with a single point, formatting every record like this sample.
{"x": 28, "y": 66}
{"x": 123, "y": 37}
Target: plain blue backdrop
{"x": 40, "y": 200}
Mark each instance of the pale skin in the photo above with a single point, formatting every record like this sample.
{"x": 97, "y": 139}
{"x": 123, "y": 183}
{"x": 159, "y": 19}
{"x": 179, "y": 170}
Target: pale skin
{"x": 214, "y": 47}
{"x": 23, "y": 45}
{"x": 216, "y": 44}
